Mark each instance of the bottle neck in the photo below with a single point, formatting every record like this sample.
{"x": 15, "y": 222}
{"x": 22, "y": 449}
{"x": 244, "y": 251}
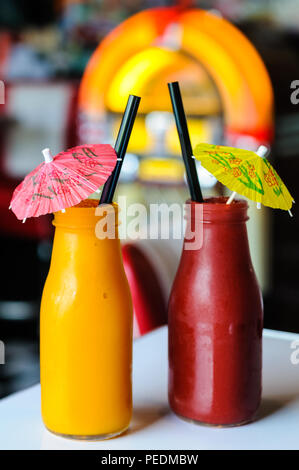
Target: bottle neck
{"x": 86, "y": 235}
{"x": 213, "y": 222}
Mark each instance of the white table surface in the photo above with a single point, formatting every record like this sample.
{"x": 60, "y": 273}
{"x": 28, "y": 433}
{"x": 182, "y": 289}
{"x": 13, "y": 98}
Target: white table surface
{"x": 154, "y": 426}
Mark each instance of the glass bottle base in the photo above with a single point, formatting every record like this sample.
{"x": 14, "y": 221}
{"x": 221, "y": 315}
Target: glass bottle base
{"x": 215, "y": 425}
{"x": 96, "y": 437}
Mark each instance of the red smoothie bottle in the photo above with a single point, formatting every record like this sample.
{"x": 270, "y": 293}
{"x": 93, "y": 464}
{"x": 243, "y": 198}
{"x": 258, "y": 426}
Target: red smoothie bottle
{"x": 216, "y": 320}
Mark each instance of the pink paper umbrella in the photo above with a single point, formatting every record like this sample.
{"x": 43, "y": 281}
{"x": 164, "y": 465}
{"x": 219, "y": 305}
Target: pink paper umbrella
{"x": 63, "y": 181}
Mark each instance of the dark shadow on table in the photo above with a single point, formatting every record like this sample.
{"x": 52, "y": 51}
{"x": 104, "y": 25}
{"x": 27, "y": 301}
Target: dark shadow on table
{"x": 269, "y": 406}
{"x": 146, "y": 416}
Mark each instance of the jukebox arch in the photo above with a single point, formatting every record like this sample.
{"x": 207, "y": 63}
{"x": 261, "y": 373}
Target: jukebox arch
{"x": 156, "y": 42}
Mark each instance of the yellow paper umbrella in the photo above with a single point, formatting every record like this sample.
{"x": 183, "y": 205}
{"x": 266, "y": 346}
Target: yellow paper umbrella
{"x": 245, "y": 173}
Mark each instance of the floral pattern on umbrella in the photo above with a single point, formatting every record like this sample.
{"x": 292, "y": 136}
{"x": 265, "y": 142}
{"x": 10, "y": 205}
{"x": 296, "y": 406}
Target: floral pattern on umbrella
{"x": 246, "y": 173}
{"x": 63, "y": 181}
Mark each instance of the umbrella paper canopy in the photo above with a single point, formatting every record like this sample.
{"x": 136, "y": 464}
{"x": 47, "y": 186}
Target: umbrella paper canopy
{"x": 246, "y": 173}
{"x": 63, "y": 181}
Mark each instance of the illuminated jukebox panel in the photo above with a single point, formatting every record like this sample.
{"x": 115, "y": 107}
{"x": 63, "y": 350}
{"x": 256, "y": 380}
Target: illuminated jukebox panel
{"x": 226, "y": 87}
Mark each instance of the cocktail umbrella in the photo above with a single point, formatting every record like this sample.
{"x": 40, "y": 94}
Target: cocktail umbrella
{"x": 64, "y": 180}
{"x": 245, "y": 173}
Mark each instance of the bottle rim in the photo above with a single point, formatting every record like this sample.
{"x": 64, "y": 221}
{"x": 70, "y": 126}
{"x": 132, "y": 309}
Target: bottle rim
{"x": 86, "y": 215}
{"x": 215, "y": 210}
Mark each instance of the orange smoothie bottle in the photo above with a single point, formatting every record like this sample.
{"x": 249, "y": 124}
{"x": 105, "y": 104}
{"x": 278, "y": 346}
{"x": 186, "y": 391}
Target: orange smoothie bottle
{"x": 86, "y": 330}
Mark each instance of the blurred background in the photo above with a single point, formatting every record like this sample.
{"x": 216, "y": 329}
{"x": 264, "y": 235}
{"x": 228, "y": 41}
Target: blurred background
{"x": 235, "y": 60}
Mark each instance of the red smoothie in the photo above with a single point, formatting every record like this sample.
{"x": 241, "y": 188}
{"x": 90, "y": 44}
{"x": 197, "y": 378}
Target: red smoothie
{"x": 215, "y": 321}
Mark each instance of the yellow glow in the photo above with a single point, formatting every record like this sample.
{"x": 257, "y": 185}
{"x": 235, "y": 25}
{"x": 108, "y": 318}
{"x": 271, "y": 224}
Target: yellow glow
{"x": 164, "y": 170}
{"x": 146, "y": 74}
{"x": 200, "y": 131}
{"x": 140, "y": 140}
{"x": 231, "y": 60}
{"x": 136, "y": 74}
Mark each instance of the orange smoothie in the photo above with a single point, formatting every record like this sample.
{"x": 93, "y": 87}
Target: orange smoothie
{"x": 86, "y": 331}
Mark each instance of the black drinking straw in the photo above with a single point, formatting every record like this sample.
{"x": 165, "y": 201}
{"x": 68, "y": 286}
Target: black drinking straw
{"x": 120, "y": 147}
{"x": 182, "y": 128}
